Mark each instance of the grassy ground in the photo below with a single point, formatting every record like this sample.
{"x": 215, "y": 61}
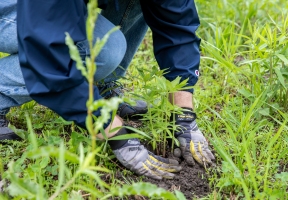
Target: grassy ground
{"x": 241, "y": 102}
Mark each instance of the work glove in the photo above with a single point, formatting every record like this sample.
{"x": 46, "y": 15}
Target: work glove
{"x": 193, "y": 144}
{"x": 138, "y": 159}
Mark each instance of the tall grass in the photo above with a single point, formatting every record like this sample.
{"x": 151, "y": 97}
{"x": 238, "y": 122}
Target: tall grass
{"x": 244, "y": 75}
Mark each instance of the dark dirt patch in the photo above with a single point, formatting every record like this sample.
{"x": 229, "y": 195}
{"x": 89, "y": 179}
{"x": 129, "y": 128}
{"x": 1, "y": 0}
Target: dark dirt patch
{"x": 283, "y": 167}
{"x": 191, "y": 181}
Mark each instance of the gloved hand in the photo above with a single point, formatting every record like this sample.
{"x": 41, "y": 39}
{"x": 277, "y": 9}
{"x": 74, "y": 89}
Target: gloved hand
{"x": 193, "y": 144}
{"x": 138, "y": 159}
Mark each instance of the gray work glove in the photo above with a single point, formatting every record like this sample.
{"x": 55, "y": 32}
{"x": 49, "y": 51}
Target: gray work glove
{"x": 138, "y": 159}
{"x": 193, "y": 144}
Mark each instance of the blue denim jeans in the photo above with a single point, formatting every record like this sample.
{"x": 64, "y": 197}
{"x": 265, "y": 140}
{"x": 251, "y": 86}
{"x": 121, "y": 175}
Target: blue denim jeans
{"x": 112, "y": 61}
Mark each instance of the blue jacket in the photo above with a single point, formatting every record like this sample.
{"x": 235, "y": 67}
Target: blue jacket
{"x": 51, "y": 76}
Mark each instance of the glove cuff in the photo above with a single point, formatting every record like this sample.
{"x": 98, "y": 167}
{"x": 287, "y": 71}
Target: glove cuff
{"x": 187, "y": 116}
{"x": 184, "y": 121}
{"x": 117, "y": 144}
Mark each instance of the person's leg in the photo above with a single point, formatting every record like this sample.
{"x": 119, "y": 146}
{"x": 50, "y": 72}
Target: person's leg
{"x": 12, "y": 87}
{"x": 130, "y": 18}
{"x": 8, "y": 39}
{"x": 111, "y": 54}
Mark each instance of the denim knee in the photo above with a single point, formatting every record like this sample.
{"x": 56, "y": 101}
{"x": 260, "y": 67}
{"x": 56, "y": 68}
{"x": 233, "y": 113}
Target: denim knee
{"x": 112, "y": 52}
{"x": 111, "y": 55}
{"x": 8, "y": 29}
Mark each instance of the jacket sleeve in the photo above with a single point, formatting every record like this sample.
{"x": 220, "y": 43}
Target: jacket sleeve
{"x": 50, "y": 75}
{"x": 176, "y": 46}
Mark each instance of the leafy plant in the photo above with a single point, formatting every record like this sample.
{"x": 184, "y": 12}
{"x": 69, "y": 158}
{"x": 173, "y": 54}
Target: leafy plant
{"x": 156, "y": 92}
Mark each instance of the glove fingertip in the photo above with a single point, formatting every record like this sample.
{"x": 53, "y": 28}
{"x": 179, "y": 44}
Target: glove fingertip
{"x": 173, "y": 161}
{"x": 190, "y": 161}
{"x": 210, "y": 154}
{"x": 177, "y": 168}
{"x": 152, "y": 175}
{"x": 177, "y": 152}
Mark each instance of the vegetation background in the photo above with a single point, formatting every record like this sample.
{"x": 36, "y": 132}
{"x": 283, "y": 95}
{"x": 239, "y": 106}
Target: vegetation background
{"x": 241, "y": 101}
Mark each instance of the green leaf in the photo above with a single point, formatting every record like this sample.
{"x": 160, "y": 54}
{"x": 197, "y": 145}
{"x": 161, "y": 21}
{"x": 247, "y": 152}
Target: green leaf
{"x": 32, "y": 137}
{"x": 180, "y": 195}
{"x": 53, "y": 152}
{"x": 138, "y": 131}
{"x": 144, "y": 189}
{"x": 78, "y": 138}
{"x": 44, "y": 162}
{"x": 74, "y": 53}
{"x": 280, "y": 77}
{"x": 283, "y": 176}
{"x": 265, "y": 111}
{"x": 126, "y": 137}
{"x": 245, "y": 93}
{"x": 88, "y": 188}
{"x": 61, "y": 160}
{"x": 21, "y": 187}
{"x": 283, "y": 58}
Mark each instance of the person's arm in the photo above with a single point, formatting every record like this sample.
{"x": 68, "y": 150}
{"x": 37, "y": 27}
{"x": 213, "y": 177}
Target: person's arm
{"x": 50, "y": 75}
{"x": 176, "y": 46}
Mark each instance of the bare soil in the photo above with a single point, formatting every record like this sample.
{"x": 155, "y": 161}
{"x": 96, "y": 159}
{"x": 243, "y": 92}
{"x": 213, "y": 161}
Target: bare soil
{"x": 191, "y": 181}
